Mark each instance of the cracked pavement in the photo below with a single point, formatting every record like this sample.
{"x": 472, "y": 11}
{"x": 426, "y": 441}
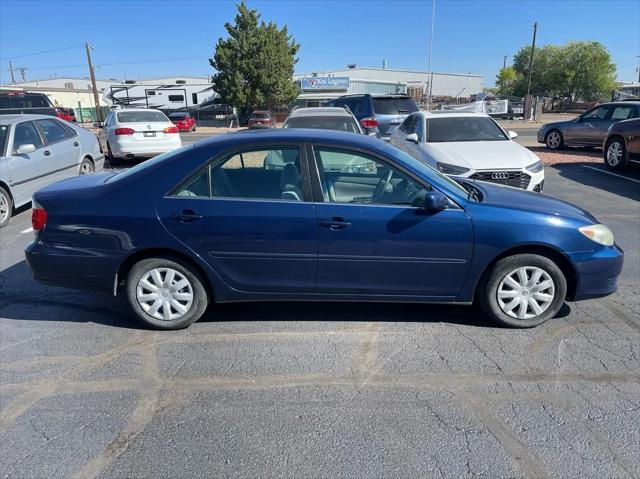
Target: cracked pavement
{"x": 323, "y": 389}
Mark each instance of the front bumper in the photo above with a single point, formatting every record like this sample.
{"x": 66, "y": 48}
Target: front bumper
{"x": 597, "y": 272}
{"x": 542, "y": 132}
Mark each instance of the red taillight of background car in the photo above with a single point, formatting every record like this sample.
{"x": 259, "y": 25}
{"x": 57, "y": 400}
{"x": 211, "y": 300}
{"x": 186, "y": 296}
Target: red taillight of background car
{"x": 124, "y": 131}
{"x": 369, "y": 122}
{"x": 38, "y": 217}
{"x": 170, "y": 129}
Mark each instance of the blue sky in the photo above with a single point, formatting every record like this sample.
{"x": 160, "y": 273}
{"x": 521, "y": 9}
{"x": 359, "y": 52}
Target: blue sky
{"x": 138, "y": 38}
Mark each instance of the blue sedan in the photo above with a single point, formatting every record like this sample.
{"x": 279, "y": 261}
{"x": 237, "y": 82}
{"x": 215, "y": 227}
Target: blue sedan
{"x": 314, "y": 215}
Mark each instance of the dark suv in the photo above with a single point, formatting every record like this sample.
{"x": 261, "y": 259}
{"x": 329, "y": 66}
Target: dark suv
{"x": 13, "y": 102}
{"x": 378, "y": 114}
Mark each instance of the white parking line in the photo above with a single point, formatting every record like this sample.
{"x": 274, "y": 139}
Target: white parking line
{"x": 28, "y": 230}
{"x": 610, "y": 173}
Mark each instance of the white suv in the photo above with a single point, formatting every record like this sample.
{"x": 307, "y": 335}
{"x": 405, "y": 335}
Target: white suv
{"x": 130, "y": 133}
{"x": 469, "y": 145}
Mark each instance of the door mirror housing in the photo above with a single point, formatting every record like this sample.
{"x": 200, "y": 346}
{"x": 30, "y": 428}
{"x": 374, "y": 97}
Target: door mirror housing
{"x": 512, "y": 134}
{"x": 412, "y": 137}
{"x": 435, "y": 201}
{"x": 26, "y": 149}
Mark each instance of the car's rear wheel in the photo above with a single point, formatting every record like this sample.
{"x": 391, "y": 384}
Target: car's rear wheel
{"x": 6, "y": 207}
{"x": 615, "y": 154}
{"x": 166, "y": 293}
{"x": 554, "y": 140}
{"x": 523, "y": 290}
{"x": 86, "y": 167}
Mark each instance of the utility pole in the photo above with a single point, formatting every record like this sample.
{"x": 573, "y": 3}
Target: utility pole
{"x": 533, "y": 47}
{"x": 96, "y": 100}
{"x": 433, "y": 22}
{"x": 22, "y": 71}
{"x": 504, "y": 61}
{"x": 13, "y": 80}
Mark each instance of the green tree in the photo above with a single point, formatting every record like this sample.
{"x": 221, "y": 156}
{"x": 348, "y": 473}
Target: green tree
{"x": 578, "y": 70}
{"x": 254, "y": 65}
{"x": 506, "y": 80}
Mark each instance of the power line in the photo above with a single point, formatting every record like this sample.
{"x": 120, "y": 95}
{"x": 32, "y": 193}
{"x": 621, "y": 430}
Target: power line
{"x": 152, "y": 61}
{"x": 42, "y": 52}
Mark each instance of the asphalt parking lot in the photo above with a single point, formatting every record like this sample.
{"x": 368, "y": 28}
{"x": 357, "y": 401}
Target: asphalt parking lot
{"x": 324, "y": 390}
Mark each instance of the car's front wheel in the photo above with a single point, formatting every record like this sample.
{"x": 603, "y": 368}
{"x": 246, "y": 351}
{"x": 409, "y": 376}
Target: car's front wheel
{"x": 166, "y": 293}
{"x": 615, "y": 154}
{"x": 6, "y": 207}
{"x": 523, "y": 290}
{"x": 86, "y": 167}
{"x": 554, "y": 140}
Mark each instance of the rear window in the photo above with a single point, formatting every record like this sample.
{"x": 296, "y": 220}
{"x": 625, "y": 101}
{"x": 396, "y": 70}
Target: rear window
{"x": 141, "y": 117}
{"x": 338, "y": 123}
{"x": 177, "y": 116}
{"x": 260, "y": 116}
{"x": 24, "y": 101}
{"x": 394, "y": 106}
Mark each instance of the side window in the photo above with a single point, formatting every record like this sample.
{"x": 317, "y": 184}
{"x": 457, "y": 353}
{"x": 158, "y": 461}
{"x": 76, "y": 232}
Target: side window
{"x": 598, "y": 114}
{"x": 70, "y": 131}
{"x": 351, "y": 177}
{"x": 197, "y": 186}
{"x": 622, "y": 112}
{"x": 26, "y": 134}
{"x": 176, "y": 98}
{"x": 52, "y": 131}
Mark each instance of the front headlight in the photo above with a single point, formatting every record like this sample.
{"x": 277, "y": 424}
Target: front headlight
{"x": 448, "y": 169}
{"x": 598, "y": 233}
{"x": 535, "y": 167}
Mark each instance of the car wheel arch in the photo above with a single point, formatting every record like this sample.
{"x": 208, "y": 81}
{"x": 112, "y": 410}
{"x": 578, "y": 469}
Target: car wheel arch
{"x": 550, "y": 252}
{"x": 7, "y": 189}
{"x": 615, "y": 136}
{"x": 168, "y": 253}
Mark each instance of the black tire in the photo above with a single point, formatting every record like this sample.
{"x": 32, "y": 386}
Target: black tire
{"x": 86, "y": 167}
{"x": 194, "y": 129}
{"x": 491, "y": 281}
{"x": 200, "y": 298}
{"x": 550, "y": 140}
{"x": 612, "y": 160}
{"x": 7, "y": 207}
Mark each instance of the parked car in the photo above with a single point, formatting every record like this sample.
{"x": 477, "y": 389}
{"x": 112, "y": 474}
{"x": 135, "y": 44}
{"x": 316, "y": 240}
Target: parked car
{"x": 325, "y": 118}
{"x": 621, "y": 145}
{"x": 66, "y": 114}
{"x": 36, "y": 150}
{"x": 588, "y": 129}
{"x": 130, "y": 133}
{"x": 14, "y": 102}
{"x": 469, "y": 145}
{"x": 261, "y": 119}
{"x": 183, "y": 120}
{"x": 378, "y": 114}
{"x": 211, "y": 223}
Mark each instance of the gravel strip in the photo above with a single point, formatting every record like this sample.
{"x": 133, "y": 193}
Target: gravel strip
{"x": 570, "y": 155}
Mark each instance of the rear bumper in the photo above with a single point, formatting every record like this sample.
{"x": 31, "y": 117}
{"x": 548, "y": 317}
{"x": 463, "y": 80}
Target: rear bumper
{"x": 71, "y": 268}
{"x": 123, "y": 149}
{"x": 597, "y": 273}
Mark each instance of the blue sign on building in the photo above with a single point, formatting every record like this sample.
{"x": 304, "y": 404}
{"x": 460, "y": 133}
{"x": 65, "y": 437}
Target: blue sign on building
{"x": 324, "y": 83}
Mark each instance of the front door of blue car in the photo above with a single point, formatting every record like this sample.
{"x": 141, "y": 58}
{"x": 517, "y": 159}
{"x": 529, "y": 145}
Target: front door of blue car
{"x": 374, "y": 236}
{"x": 249, "y": 215}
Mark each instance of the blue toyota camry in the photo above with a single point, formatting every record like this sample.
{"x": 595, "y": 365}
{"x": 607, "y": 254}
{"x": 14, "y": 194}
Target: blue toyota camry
{"x": 314, "y": 215}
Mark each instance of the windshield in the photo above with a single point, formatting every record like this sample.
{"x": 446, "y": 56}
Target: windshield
{"x": 429, "y": 173}
{"x": 141, "y": 117}
{"x": 394, "y": 106}
{"x": 463, "y": 128}
{"x": 339, "y": 123}
{"x": 4, "y": 134}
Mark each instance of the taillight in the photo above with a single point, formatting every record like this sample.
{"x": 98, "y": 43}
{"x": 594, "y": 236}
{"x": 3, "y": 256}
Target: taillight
{"x": 38, "y": 217}
{"x": 170, "y": 129}
{"x": 369, "y": 122}
{"x": 124, "y": 131}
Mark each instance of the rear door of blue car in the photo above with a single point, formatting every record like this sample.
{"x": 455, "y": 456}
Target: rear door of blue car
{"x": 249, "y": 215}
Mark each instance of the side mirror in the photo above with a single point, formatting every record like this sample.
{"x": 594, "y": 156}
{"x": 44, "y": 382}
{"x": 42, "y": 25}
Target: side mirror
{"x": 512, "y": 134}
{"x": 412, "y": 137}
{"x": 97, "y": 124}
{"x": 26, "y": 149}
{"x": 435, "y": 201}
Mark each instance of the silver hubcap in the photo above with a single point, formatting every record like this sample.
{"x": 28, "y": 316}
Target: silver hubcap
{"x": 553, "y": 140}
{"x": 4, "y": 208}
{"x": 165, "y": 294}
{"x": 86, "y": 167}
{"x": 614, "y": 153}
{"x": 526, "y": 292}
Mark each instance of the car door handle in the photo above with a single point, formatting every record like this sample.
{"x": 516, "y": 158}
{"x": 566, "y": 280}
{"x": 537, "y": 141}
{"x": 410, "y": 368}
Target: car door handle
{"x": 187, "y": 216}
{"x": 75, "y": 143}
{"x": 335, "y": 224}
{"x": 46, "y": 152}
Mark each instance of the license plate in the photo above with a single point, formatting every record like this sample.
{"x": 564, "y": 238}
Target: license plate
{"x": 219, "y": 117}
{"x": 149, "y": 134}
